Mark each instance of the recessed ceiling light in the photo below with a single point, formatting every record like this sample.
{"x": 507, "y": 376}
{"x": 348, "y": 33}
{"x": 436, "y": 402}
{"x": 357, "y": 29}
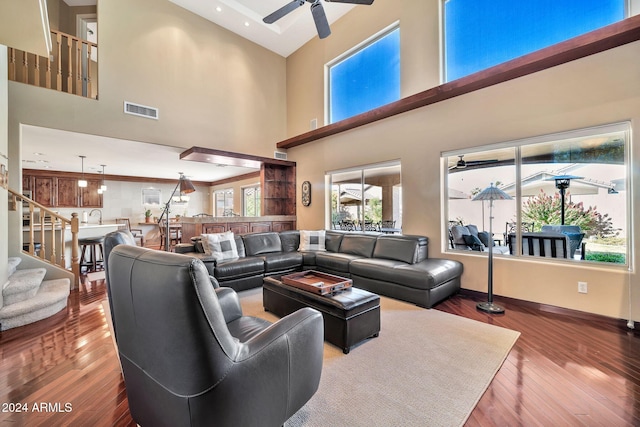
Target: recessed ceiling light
{"x": 38, "y": 154}
{"x": 218, "y": 9}
{"x": 246, "y": 23}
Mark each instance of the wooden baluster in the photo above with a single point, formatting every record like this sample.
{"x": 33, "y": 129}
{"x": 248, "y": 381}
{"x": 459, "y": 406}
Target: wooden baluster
{"x": 59, "y": 57}
{"x": 25, "y": 67}
{"x": 31, "y": 232}
{"x": 54, "y": 221}
{"x": 78, "y": 67}
{"x": 89, "y": 70}
{"x": 47, "y": 76}
{"x": 70, "y": 68}
{"x": 75, "y": 250}
{"x": 63, "y": 233}
{"x": 36, "y": 70}
{"x": 12, "y": 64}
{"x": 43, "y": 242}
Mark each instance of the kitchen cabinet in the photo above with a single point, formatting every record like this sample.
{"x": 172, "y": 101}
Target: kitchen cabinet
{"x": 60, "y": 190}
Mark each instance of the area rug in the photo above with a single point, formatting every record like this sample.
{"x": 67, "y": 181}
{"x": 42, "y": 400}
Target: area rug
{"x": 427, "y": 368}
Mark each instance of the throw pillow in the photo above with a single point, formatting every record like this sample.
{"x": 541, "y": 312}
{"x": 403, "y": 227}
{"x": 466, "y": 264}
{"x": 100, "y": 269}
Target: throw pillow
{"x": 311, "y": 240}
{"x": 220, "y": 246}
{"x": 484, "y": 238}
{"x": 473, "y": 242}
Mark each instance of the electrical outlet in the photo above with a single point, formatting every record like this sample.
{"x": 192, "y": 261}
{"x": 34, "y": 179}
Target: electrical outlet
{"x": 582, "y": 287}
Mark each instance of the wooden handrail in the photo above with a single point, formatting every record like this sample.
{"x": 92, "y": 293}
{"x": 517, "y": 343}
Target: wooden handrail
{"x": 70, "y": 60}
{"x": 52, "y": 248}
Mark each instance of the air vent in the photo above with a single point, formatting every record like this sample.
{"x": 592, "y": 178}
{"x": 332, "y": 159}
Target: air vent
{"x": 279, "y": 155}
{"x": 140, "y": 110}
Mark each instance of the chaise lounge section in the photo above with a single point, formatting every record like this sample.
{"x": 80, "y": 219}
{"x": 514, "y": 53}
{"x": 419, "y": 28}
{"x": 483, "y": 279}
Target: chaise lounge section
{"x": 396, "y": 266}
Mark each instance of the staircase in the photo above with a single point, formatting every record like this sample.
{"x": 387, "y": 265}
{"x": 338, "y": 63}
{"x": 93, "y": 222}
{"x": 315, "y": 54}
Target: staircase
{"x": 27, "y": 297}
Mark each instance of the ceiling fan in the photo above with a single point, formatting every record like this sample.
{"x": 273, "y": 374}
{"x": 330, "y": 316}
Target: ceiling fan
{"x": 319, "y": 17}
{"x": 462, "y": 163}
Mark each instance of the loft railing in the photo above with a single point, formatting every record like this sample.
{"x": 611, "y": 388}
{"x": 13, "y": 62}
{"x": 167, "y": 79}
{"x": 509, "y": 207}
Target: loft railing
{"x": 48, "y": 236}
{"x": 71, "y": 68}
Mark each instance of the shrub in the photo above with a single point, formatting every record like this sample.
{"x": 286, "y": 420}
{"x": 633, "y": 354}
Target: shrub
{"x": 605, "y": 257}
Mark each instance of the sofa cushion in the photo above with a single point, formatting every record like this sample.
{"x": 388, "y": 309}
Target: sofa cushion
{"x": 312, "y": 240}
{"x": 473, "y": 242}
{"x": 426, "y": 274}
{"x": 238, "y": 268}
{"x": 358, "y": 244}
{"x": 282, "y": 261}
{"x": 332, "y": 240}
{"x": 400, "y": 248}
{"x": 262, "y": 243}
{"x": 290, "y": 240}
{"x": 336, "y": 262}
{"x": 220, "y": 246}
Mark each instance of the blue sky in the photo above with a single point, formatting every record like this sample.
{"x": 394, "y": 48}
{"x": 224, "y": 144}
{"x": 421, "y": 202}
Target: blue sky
{"x": 483, "y": 33}
{"x": 354, "y": 91}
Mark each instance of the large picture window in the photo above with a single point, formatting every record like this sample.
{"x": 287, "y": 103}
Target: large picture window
{"x": 479, "y": 34}
{"x": 367, "y": 199}
{"x": 570, "y": 198}
{"x": 365, "y": 78}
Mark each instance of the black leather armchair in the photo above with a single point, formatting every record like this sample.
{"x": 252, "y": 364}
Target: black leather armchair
{"x": 189, "y": 359}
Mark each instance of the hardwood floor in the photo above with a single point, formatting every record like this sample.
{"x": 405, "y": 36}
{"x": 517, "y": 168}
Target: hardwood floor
{"x": 563, "y": 370}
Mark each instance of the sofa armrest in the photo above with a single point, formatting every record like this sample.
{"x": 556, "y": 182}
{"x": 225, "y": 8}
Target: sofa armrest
{"x": 229, "y": 303}
{"x": 297, "y": 340}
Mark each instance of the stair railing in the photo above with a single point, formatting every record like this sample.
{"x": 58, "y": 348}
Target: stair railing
{"x": 50, "y": 231}
{"x": 71, "y": 67}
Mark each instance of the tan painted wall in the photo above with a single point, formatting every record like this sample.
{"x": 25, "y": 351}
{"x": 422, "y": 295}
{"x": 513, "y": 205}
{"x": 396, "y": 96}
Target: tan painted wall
{"x": 4, "y": 151}
{"x": 21, "y": 26}
{"x": 599, "y": 89}
{"x": 419, "y": 52}
{"x": 212, "y": 87}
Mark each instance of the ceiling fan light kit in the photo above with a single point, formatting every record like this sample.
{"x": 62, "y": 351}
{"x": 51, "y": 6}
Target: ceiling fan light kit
{"x": 317, "y": 10}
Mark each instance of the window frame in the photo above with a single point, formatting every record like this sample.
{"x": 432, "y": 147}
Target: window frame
{"x": 631, "y": 8}
{"x": 346, "y": 55}
{"x": 257, "y": 199}
{"x": 363, "y": 178}
{"x": 625, "y": 127}
{"x": 215, "y": 201}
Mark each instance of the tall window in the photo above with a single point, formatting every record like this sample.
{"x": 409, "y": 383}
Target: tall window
{"x": 570, "y": 196}
{"x": 479, "y": 34}
{"x": 251, "y": 201}
{"x": 223, "y": 202}
{"x": 367, "y": 199}
{"x": 366, "y": 77}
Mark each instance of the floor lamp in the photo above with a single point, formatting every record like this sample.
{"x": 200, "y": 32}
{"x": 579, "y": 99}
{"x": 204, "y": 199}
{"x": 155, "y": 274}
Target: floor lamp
{"x": 186, "y": 187}
{"x": 491, "y": 193}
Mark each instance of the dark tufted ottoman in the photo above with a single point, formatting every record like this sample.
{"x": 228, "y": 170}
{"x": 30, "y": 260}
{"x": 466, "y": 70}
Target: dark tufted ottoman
{"x": 350, "y": 316}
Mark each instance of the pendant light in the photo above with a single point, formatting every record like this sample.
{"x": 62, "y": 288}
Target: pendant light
{"x": 103, "y": 187}
{"x": 82, "y": 182}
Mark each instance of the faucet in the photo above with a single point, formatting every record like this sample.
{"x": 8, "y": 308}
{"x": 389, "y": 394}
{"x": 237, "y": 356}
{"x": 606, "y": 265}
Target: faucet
{"x": 99, "y": 212}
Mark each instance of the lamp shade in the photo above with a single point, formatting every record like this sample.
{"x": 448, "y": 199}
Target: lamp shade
{"x": 186, "y": 186}
{"x": 492, "y": 193}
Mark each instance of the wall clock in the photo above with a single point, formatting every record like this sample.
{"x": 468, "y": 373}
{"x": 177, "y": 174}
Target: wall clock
{"x": 306, "y": 193}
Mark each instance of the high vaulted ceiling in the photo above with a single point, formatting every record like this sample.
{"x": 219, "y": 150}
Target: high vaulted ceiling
{"x": 244, "y": 17}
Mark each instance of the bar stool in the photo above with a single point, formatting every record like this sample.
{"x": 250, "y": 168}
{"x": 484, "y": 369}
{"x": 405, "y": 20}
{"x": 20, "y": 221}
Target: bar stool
{"x": 91, "y": 262}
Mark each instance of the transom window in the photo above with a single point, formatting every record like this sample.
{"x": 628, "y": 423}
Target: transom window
{"x": 366, "y": 77}
{"x": 570, "y": 197}
{"x": 479, "y": 34}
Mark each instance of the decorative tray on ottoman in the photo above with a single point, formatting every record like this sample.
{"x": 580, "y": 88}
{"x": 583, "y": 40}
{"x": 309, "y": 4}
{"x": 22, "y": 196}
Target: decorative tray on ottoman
{"x": 317, "y": 282}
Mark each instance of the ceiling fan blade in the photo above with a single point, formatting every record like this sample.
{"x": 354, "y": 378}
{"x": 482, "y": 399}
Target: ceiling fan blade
{"x": 367, "y": 2}
{"x": 283, "y": 11}
{"x": 322, "y": 25}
